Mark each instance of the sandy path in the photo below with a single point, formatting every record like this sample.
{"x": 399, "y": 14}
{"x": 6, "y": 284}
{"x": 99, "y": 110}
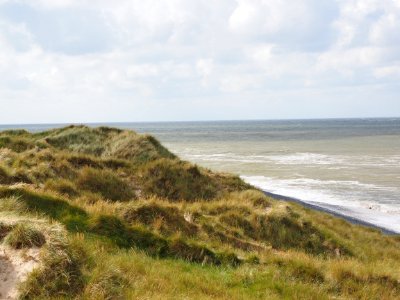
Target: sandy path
{"x": 15, "y": 265}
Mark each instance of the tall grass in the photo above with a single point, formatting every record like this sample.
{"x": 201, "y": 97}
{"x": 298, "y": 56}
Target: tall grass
{"x": 133, "y": 214}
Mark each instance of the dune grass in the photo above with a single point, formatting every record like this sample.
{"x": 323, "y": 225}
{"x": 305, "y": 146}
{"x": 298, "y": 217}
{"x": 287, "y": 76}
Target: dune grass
{"x": 133, "y": 214}
{"x": 24, "y": 236}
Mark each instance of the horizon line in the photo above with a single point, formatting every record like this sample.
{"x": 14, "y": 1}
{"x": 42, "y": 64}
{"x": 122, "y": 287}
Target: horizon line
{"x": 200, "y": 121}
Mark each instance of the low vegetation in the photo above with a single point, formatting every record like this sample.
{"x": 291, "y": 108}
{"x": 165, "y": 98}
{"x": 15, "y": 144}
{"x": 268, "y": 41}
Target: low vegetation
{"x": 24, "y": 236}
{"x": 120, "y": 214}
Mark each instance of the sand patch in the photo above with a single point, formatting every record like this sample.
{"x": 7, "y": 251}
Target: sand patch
{"x": 15, "y": 265}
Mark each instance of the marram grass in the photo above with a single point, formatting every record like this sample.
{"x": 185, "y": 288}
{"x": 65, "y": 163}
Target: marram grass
{"x": 138, "y": 223}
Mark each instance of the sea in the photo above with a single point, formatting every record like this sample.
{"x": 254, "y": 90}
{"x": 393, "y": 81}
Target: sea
{"x": 347, "y": 166}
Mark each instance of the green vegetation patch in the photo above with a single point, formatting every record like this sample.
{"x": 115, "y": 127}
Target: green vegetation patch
{"x": 131, "y": 214}
{"x": 177, "y": 180}
{"x": 62, "y": 186}
{"x": 24, "y": 236}
{"x": 106, "y": 183}
{"x": 59, "y": 275}
{"x": 16, "y": 144}
{"x": 167, "y": 219}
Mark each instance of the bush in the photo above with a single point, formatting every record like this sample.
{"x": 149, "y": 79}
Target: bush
{"x": 105, "y": 183}
{"x": 24, "y": 236}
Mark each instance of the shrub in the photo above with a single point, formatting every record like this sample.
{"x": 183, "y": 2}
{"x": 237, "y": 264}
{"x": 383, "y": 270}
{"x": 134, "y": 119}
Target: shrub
{"x": 24, "y": 236}
{"x": 105, "y": 183}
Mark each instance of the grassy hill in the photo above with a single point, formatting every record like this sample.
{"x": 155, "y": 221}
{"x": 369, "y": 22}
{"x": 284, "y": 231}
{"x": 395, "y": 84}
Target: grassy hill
{"x": 133, "y": 221}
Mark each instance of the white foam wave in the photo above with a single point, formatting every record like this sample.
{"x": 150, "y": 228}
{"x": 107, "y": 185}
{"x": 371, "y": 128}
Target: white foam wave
{"x": 322, "y": 193}
{"x": 299, "y": 158}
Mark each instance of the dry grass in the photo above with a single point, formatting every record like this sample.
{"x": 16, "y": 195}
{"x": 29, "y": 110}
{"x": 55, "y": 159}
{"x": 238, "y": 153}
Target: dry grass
{"x": 134, "y": 214}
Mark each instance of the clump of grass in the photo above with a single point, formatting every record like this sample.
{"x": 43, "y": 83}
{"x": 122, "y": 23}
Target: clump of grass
{"x": 77, "y": 139}
{"x": 166, "y": 219}
{"x": 17, "y": 175}
{"x": 255, "y": 197}
{"x": 191, "y": 252}
{"x": 115, "y": 164}
{"x": 62, "y": 186}
{"x": 138, "y": 149}
{"x": 16, "y": 144}
{"x": 177, "y": 180}
{"x": 300, "y": 268}
{"x": 377, "y": 285}
{"x": 60, "y": 274}
{"x": 14, "y": 132}
{"x": 4, "y": 230}
{"x": 24, "y": 236}
{"x": 12, "y": 204}
{"x": 107, "y": 282}
{"x": 5, "y": 175}
{"x": 73, "y": 217}
{"x": 82, "y": 160}
{"x": 124, "y": 236}
{"x": 105, "y": 183}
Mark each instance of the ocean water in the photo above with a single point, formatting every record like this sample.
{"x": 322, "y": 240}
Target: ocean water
{"x": 351, "y": 166}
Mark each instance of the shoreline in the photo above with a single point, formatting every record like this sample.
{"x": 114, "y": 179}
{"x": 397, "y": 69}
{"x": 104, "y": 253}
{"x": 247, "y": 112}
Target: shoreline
{"x": 343, "y": 216}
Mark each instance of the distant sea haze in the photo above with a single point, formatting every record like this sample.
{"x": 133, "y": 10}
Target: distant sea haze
{"x": 351, "y": 166}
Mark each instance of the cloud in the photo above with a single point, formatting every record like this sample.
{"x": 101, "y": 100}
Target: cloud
{"x": 133, "y": 60}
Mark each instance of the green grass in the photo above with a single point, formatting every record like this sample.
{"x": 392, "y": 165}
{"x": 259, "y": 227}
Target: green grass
{"x": 124, "y": 218}
{"x": 24, "y": 236}
{"x": 105, "y": 183}
{"x": 60, "y": 274}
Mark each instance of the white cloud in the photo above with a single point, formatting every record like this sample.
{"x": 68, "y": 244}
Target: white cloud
{"x": 147, "y": 54}
{"x": 262, "y": 16}
{"x": 390, "y": 71}
{"x": 205, "y": 68}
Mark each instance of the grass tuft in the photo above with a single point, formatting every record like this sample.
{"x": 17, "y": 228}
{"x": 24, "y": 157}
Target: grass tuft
{"x": 24, "y": 236}
{"x": 60, "y": 274}
{"x": 105, "y": 183}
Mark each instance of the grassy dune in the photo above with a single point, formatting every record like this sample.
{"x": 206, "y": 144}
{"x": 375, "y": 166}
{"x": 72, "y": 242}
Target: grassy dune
{"x": 139, "y": 223}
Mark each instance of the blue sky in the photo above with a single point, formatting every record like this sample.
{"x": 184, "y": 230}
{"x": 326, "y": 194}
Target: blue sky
{"x": 155, "y": 60}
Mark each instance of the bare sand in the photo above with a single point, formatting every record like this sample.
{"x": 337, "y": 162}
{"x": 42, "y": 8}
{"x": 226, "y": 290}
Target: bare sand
{"x": 15, "y": 265}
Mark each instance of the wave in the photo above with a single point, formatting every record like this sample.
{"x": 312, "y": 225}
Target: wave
{"x": 335, "y": 194}
{"x": 299, "y": 158}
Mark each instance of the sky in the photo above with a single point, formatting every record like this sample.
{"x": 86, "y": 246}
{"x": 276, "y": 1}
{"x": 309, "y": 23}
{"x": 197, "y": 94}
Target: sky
{"x": 80, "y": 61}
